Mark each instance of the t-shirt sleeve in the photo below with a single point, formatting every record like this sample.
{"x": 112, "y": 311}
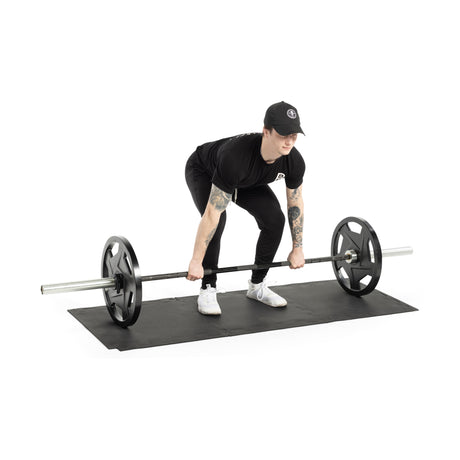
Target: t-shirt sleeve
{"x": 226, "y": 173}
{"x": 294, "y": 178}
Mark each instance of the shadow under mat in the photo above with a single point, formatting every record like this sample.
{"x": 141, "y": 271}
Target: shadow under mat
{"x": 177, "y": 320}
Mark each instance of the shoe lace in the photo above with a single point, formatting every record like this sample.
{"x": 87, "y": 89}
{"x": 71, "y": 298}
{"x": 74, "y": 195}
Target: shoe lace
{"x": 209, "y": 292}
{"x": 261, "y": 290}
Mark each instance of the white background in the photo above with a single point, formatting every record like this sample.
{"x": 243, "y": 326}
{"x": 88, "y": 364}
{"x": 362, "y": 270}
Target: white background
{"x": 101, "y": 104}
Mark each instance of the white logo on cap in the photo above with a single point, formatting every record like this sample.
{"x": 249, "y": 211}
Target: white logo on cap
{"x": 292, "y": 114}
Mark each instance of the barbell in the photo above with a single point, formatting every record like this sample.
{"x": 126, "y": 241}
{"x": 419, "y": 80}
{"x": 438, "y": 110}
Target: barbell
{"x": 356, "y": 258}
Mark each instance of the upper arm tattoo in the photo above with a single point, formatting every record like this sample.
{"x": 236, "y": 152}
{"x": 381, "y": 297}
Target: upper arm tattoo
{"x": 294, "y": 194}
{"x": 218, "y": 198}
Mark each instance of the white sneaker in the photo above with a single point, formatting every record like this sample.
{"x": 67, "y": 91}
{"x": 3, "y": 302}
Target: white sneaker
{"x": 264, "y": 294}
{"x": 207, "y": 301}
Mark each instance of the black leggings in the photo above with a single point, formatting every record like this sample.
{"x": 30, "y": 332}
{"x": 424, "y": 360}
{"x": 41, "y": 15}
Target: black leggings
{"x": 259, "y": 201}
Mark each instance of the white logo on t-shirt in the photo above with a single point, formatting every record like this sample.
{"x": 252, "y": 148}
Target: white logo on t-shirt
{"x": 280, "y": 176}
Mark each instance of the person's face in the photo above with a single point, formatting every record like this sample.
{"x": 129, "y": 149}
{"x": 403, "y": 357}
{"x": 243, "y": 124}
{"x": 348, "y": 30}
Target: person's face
{"x": 281, "y": 145}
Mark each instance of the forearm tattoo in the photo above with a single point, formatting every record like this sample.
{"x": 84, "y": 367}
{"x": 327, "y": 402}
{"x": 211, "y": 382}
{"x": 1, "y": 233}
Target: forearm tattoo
{"x": 209, "y": 238}
{"x": 295, "y": 217}
{"x": 218, "y": 198}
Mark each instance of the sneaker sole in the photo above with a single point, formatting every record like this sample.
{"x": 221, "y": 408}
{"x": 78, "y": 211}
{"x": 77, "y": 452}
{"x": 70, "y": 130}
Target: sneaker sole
{"x": 265, "y": 303}
{"x": 210, "y": 314}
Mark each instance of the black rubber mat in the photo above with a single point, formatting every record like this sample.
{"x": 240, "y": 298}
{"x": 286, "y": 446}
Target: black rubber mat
{"x": 176, "y": 320}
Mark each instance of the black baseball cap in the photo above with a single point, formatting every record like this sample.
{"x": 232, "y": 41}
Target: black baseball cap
{"x": 284, "y": 118}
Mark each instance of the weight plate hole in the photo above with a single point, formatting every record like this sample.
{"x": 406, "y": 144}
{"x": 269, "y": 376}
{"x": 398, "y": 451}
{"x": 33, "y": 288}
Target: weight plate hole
{"x": 354, "y": 227}
{"x": 128, "y": 264}
{"x": 366, "y": 280}
{"x": 343, "y": 273}
{"x": 339, "y": 244}
{"x": 115, "y": 249}
{"x": 371, "y": 252}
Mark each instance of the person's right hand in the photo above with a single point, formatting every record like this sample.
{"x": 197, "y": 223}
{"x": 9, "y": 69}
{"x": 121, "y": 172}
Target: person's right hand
{"x": 195, "y": 270}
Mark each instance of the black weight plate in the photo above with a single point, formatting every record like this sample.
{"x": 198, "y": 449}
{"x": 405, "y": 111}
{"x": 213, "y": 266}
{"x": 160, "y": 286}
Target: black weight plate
{"x": 118, "y": 257}
{"x": 353, "y": 276}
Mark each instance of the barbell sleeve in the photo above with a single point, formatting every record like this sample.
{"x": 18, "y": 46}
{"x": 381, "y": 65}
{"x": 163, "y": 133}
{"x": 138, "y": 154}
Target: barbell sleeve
{"x": 100, "y": 283}
{"x": 403, "y": 251}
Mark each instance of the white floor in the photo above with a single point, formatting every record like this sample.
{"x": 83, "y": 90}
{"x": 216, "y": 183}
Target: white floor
{"x": 103, "y": 102}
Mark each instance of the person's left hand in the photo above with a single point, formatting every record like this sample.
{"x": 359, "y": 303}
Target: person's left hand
{"x": 296, "y": 258}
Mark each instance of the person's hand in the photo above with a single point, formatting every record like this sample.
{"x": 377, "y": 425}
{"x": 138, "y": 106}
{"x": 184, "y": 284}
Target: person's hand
{"x": 296, "y": 258}
{"x": 195, "y": 270}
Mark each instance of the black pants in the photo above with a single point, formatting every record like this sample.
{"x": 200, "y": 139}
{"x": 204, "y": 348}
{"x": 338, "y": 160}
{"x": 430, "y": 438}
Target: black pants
{"x": 259, "y": 201}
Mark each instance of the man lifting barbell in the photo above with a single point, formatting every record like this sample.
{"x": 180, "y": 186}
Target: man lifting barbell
{"x": 240, "y": 168}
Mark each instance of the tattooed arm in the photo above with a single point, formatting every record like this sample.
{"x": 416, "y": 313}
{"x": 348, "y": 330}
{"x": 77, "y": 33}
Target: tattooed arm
{"x": 295, "y": 218}
{"x": 218, "y": 201}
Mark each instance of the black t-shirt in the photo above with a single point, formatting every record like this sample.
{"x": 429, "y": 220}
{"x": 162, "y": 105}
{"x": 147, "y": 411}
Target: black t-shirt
{"x": 236, "y": 163}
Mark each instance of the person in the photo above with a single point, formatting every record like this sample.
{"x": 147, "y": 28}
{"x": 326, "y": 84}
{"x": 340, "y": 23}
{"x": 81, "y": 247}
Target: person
{"x": 239, "y": 169}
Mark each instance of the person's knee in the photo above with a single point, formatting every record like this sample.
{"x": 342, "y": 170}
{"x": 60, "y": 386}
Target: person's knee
{"x": 274, "y": 222}
{"x": 281, "y": 220}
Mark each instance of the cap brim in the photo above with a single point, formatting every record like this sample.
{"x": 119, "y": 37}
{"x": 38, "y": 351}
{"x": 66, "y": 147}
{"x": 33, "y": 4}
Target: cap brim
{"x": 287, "y": 130}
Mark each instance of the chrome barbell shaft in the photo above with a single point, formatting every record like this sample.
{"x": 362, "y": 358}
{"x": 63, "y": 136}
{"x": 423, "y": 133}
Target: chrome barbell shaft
{"x": 105, "y": 283}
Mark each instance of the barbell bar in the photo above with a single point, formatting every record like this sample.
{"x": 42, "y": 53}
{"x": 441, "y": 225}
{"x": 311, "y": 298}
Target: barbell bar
{"x": 355, "y": 255}
{"x": 105, "y": 283}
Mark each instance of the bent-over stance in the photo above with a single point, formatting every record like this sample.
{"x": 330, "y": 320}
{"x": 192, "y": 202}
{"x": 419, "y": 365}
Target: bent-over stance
{"x": 239, "y": 169}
